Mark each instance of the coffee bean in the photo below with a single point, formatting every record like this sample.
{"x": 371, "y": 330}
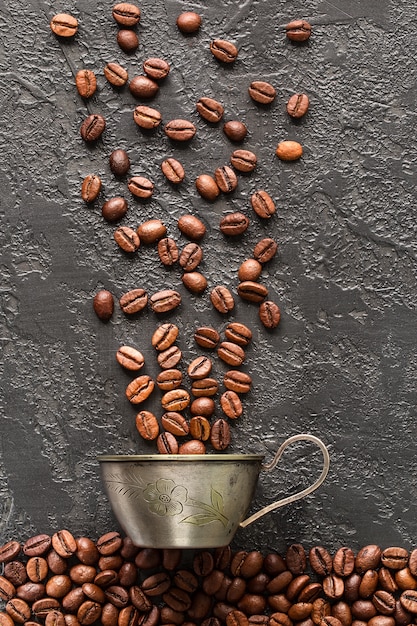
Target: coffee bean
{"x": 412, "y": 562}
{"x": 164, "y": 301}
{"x": 191, "y": 227}
{"x": 231, "y": 353}
{"x": 117, "y": 595}
{"x": 200, "y": 428}
{"x": 130, "y": 358}
{"x": 58, "y": 586}
{"x": 166, "y": 444}
{"x": 88, "y": 613}
{"x": 64, "y": 543}
{"x": 297, "y": 105}
{"x": 9, "y": 551}
{"x": 298, "y": 30}
{"x": 206, "y": 337}
{"x": 175, "y": 400}
{"x": 238, "y": 381}
{"x": 175, "y": 423}
{"x": 140, "y": 187}
{"x": 180, "y": 130}
{"x": 333, "y": 586}
{"x": 368, "y": 557}
{"x": 127, "y": 40}
{"x": 164, "y": 336}
{"x": 265, "y": 250}
{"x": 195, "y": 282}
{"x": 235, "y": 130}
{"x": 169, "y": 379}
{"x": 250, "y": 269}
{"x": 289, "y": 150}
{"x": 243, "y": 160}
{"x": 81, "y": 573}
{"x": 199, "y": 368}
{"x": 15, "y": 572}
{"x": 190, "y": 257}
{"x": 119, "y": 162}
{"x": 320, "y": 560}
{"x": 309, "y": 592}
{"x": 207, "y": 187}
{"x": 37, "y": 569}
{"x": 6, "y": 620}
{"x": 405, "y": 580}
{"x": 234, "y": 224}
{"x": 90, "y": 188}
{"x": 252, "y": 291}
{"x": 94, "y": 592}
{"x": 231, "y": 404}
{"x": 57, "y": 564}
{"x": 269, "y": 314}
{"x": 156, "y": 68}
{"x": 238, "y": 333}
{"x": 19, "y": 610}
{"x": 139, "y": 599}
{"x": 224, "y": 51}
{"x": 114, "y": 209}
{"x": 169, "y": 358}
{"x": 262, "y": 204}
{"x": 143, "y": 87}
{"x": 343, "y": 561}
{"x": 147, "y": 425}
{"x": 296, "y": 559}
{"x": 127, "y": 239}
{"x": 116, "y": 74}
{"x": 7, "y": 589}
{"x": 193, "y": 446}
{"x": 64, "y": 25}
{"x": 210, "y": 110}
{"x": 236, "y": 618}
{"x": 384, "y": 602}
{"x": 106, "y": 578}
{"x": 236, "y": 590}
{"x": 126, "y": 14}
{"x": 188, "y": 22}
{"x": 262, "y": 92}
{"x": 86, "y": 83}
{"x": 394, "y": 557}
{"x": 173, "y": 170}
{"x": 151, "y": 231}
{"x": 103, "y": 305}
{"x": 92, "y": 127}
{"x": 133, "y": 301}
{"x": 225, "y": 178}
{"x": 408, "y": 600}
{"x": 140, "y": 389}
{"x": 222, "y": 299}
{"x": 220, "y": 436}
{"x": 202, "y": 405}
{"x": 147, "y": 117}
{"x": 204, "y": 387}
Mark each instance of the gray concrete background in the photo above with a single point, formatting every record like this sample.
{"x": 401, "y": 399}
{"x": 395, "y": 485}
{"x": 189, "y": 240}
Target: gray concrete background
{"x": 342, "y": 364}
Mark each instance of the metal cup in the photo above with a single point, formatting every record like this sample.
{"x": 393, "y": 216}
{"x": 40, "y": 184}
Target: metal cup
{"x": 191, "y": 501}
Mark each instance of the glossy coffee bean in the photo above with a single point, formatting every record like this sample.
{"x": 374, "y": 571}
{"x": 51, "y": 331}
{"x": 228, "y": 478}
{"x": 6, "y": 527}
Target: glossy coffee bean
{"x": 126, "y": 14}
{"x": 116, "y": 74}
{"x": 320, "y": 560}
{"x": 226, "y": 179}
{"x": 16, "y": 572}
{"x": 191, "y": 227}
{"x": 252, "y": 291}
{"x": 269, "y": 314}
{"x": 262, "y": 92}
{"x": 64, "y": 25}
{"x": 231, "y": 404}
{"x": 151, "y": 231}
{"x": 190, "y": 257}
{"x": 265, "y": 250}
{"x": 344, "y": 561}
{"x": 250, "y": 269}
{"x": 147, "y": 117}
{"x": 92, "y": 127}
{"x": 298, "y": 30}
{"x": 90, "y": 187}
{"x": 140, "y": 389}
{"x": 169, "y": 358}
{"x": 195, "y": 282}
{"x": 210, "y": 109}
{"x": 9, "y": 551}
{"x": 127, "y": 40}
{"x": 19, "y": 610}
{"x": 206, "y": 337}
{"x": 296, "y": 558}
{"x": 164, "y": 336}
{"x": 169, "y": 379}
{"x": 86, "y": 83}
{"x": 140, "y": 187}
{"x": 139, "y": 599}
{"x": 238, "y": 333}
{"x": 394, "y": 558}
{"x": 114, "y": 209}
{"x": 7, "y": 589}
{"x": 263, "y": 204}
{"x": 231, "y": 353}
{"x": 199, "y": 368}
{"x": 143, "y": 87}
{"x": 222, "y": 299}
{"x": 220, "y": 435}
{"x": 188, "y": 22}
{"x": 133, "y": 301}
{"x": 180, "y": 130}
{"x": 200, "y": 428}
{"x": 298, "y": 105}
{"x": 156, "y": 68}
{"x": 37, "y": 569}
{"x": 237, "y": 381}
{"x": 165, "y": 300}
{"x": 119, "y": 162}
{"x": 175, "y": 400}
{"x": 109, "y": 543}
{"x": 224, "y": 51}
{"x": 175, "y": 423}
{"x": 368, "y": 557}
{"x": 130, "y": 358}
{"x": 147, "y": 425}
{"x": 243, "y": 160}
{"x": 204, "y": 387}
{"x": 193, "y": 446}
{"x": 127, "y": 239}
{"x": 207, "y": 187}
{"x": 173, "y": 170}
{"x": 166, "y": 444}
{"x": 234, "y": 224}
{"x": 64, "y": 543}
{"x": 289, "y": 150}
{"x": 235, "y": 130}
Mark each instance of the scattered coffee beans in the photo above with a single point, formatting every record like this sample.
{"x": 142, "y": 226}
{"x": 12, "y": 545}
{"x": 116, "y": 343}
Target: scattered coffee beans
{"x": 252, "y": 291}
{"x": 147, "y": 117}
{"x": 116, "y": 74}
{"x": 130, "y": 358}
{"x": 86, "y": 83}
{"x": 140, "y": 187}
{"x": 262, "y": 92}
{"x": 156, "y": 68}
{"x": 206, "y": 337}
{"x": 127, "y": 239}
{"x": 265, "y": 250}
{"x": 207, "y": 187}
{"x": 250, "y": 269}
{"x": 190, "y": 257}
{"x": 235, "y": 130}
{"x": 128, "y": 40}
{"x": 126, "y": 14}
{"x": 211, "y": 110}
{"x": 165, "y": 300}
{"x": 173, "y": 170}
{"x": 93, "y": 127}
{"x": 298, "y": 30}
{"x": 222, "y": 299}
{"x": 234, "y": 224}
{"x": 224, "y": 51}
{"x": 269, "y": 314}
{"x": 289, "y": 150}
{"x": 180, "y": 130}
{"x": 140, "y": 389}
{"x": 103, "y": 305}
{"x": 151, "y": 231}
{"x": 143, "y": 87}
{"x": 64, "y": 25}
{"x": 148, "y": 427}
{"x": 298, "y": 105}
{"x": 114, "y": 209}
{"x": 262, "y": 204}
{"x": 225, "y": 178}
{"x": 165, "y": 336}
{"x": 133, "y": 301}
{"x": 191, "y": 227}
{"x": 90, "y": 188}
{"x": 188, "y": 22}
{"x": 168, "y": 251}
{"x": 243, "y": 160}
{"x": 119, "y": 162}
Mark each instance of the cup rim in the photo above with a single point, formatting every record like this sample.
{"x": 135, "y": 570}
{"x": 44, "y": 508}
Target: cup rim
{"x": 166, "y": 458}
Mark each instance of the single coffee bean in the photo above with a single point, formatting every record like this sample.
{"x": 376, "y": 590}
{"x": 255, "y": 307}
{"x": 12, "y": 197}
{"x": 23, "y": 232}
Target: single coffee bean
{"x": 320, "y": 561}
{"x": 191, "y": 227}
{"x": 117, "y": 595}
{"x": 139, "y": 599}
{"x": 269, "y": 314}
{"x": 262, "y": 204}
{"x": 146, "y": 117}
{"x": 204, "y": 387}
{"x": 15, "y": 572}
{"x": 106, "y": 578}
{"x": 193, "y": 446}
{"x": 130, "y": 358}
{"x": 243, "y": 160}
{"x": 94, "y": 592}
{"x": 234, "y": 224}
{"x": 265, "y": 250}
{"x": 188, "y": 22}
{"x": 222, "y": 299}
{"x": 238, "y": 381}
{"x": 333, "y": 586}
{"x": 363, "y": 610}
{"x": 186, "y": 580}
{"x": 175, "y": 423}
{"x": 298, "y": 30}
{"x": 64, "y": 543}
{"x": 86, "y": 83}
{"x": 238, "y": 333}
{"x": 289, "y": 150}
{"x": 401, "y": 616}
{"x": 40, "y": 608}
{"x": 64, "y": 25}
{"x": 116, "y": 74}
{"x": 236, "y": 618}
{"x": 129, "y": 616}
{"x": 250, "y": 269}
{"x": 127, "y": 239}
{"x": 133, "y": 301}
{"x": 7, "y": 589}
{"x": 297, "y": 105}
{"x": 394, "y": 558}
{"x": 236, "y": 590}
{"x": 199, "y": 368}
{"x": 114, "y": 209}
{"x": 310, "y": 592}
{"x": 321, "y": 609}
{"x": 175, "y": 400}
{"x": 207, "y": 187}
{"x": 92, "y": 127}
{"x": 147, "y": 425}
{"x": 251, "y": 291}
{"x": 19, "y": 610}
{"x": 169, "y": 379}
{"x": 37, "y": 569}
{"x": 206, "y": 337}
{"x": 231, "y": 404}
{"x": 89, "y": 612}
{"x": 405, "y": 580}
{"x": 90, "y": 187}
{"x": 140, "y": 187}
{"x": 190, "y": 257}
{"x": 231, "y": 353}
{"x": 127, "y": 40}
{"x": 143, "y": 87}
{"x": 296, "y": 558}
{"x": 384, "y": 602}
{"x": 195, "y": 282}
{"x": 58, "y": 586}
{"x": 220, "y": 436}
{"x": 164, "y": 301}
{"x": 343, "y": 560}
{"x": 126, "y": 14}
{"x": 352, "y": 584}
{"x": 368, "y": 584}
{"x": 235, "y": 130}
{"x": 368, "y": 557}
{"x": 412, "y": 562}
{"x": 262, "y": 92}
{"x": 246, "y": 564}
{"x": 180, "y": 130}
{"x": 9, "y": 551}
{"x": 200, "y": 428}
{"x": 151, "y": 231}
{"x": 156, "y": 68}
{"x": 139, "y": 389}
{"x": 224, "y": 51}
{"x": 57, "y": 564}
{"x": 169, "y": 358}
{"x": 274, "y": 564}
{"x": 173, "y": 170}
{"x": 280, "y": 582}
{"x": 164, "y": 336}
{"x": 202, "y": 406}
{"x": 81, "y": 573}
{"x": 166, "y": 444}
{"x": 210, "y": 110}
{"x": 225, "y": 178}
{"x": 119, "y": 162}
{"x": 6, "y": 620}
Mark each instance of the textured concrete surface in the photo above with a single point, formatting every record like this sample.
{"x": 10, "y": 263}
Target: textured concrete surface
{"x": 342, "y": 364}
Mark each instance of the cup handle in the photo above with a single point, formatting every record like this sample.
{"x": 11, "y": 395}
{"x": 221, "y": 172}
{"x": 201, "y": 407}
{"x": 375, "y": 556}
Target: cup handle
{"x": 301, "y": 494}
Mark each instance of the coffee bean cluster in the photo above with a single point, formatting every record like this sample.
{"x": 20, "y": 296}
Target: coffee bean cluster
{"x": 61, "y": 580}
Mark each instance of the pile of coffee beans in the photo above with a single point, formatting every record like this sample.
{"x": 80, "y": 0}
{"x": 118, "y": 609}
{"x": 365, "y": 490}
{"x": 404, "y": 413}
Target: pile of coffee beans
{"x": 61, "y": 580}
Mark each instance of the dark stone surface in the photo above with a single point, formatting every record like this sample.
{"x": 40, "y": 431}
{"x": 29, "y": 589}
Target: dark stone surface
{"x": 341, "y": 365}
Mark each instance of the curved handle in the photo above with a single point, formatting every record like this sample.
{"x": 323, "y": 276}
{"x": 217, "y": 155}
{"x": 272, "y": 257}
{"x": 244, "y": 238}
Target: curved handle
{"x": 301, "y": 494}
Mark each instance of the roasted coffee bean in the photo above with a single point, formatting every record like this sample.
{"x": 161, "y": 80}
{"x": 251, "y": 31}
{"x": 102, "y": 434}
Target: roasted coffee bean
{"x": 368, "y": 583}
{"x": 117, "y": 595}
{"x": 405, "y": 580}
{"x": 128, "y": 616}
{"x": 344, "y": 561}
{"x": 193, "y": 446}
{"x": 269, "y": 314}
{"x": 352, "y": 584}
{"x": 238, "y": 381}
{"x": 279, "y": 582}
{"x": 164, "y": 336}
{"x": 204, "y": 387}
{"x": 235, "y": 130}
{"x": 168, "y": 251}
{"x": 298, "y": 30}
{"x": 279, "y": 619}
{"x": 19, "y": 610}
{"x": 156, "y": 68}
{"x": 203, "y": 405}
{"x": 9, "y": 551}
{"x": 394, "y": 558}
{"x": 250, "y": 269}
{"x": 368, "y": 557}
{"x": 6, "y": 620}
{"x": 89, "y": 612}
{"x": 190, "y": 257}
{"x": 166, "y": 444}
{"x": 164, "y": 301}
{"x": 251, "y": 291}
{"x": 224, "y": 51}
{"x": 169, "y": 358}
{"x": 301, "y": 610}
{"x": 173, "y": 170}
{"x": 243, "y": 160}
{"x": 40, "y": 608}
{"x": 222, "y": 299}
{"x": 238, "y": 333}
{"x": 296, "y": 559}
{"x": 175, "y": 400}
{"x": 139, "y": 599}
{"x": 274, "y": 564}
{"x": 225, "y": 178}
{"x": 321, "y": 609}
{"x": 191, "y": 227}
{"x": 146, "y": 117}
{"x": 86, "y": 83}
{"x": 114, "y": 209}
{"x": 195, "y": 282}
{"x": 90, "y": 187}
{"x": 234, "y": 224}
{"x": 310, "y": 592}
{"x": 127, "y": 239}
{"x": 412, "y": 562}
{"x": 206, "y": 337}
{"x": 56, "y": 563}
{"x": 180, "y": 130}
{"x": 175, "y": 423}
{"x": 199, "y": 368}
{"x": 231, "y": 404}
{"x": 143, "y": 87}
{"x": 236, "y": 618}
{"x": 252, "y": 603}
{"x": 169, "y": 379}
{"x": 109, "y": 543}
{"x": 64, "y": 25}
{"x": 37, "y": 569}
{"x": 151, "y": 231}
{"x": 186, "y": 580}
{"x": 387, "y": 580}
{"x": 401, "y": 616}
{"x": 382, "y": 620}
{"x": 188, "y": 22}
{"x": 139, "y": 389}
{"x": 7, "y": 589}
{"x": 147, "y": 425}
{"x": 64, "y": 543}
{"x": 116, "y": 74}
{"x": 133, "y": 301}
{"x": 297, "y": 105}
{"x": 94, "y": 592}
{"x": 92, "y": 127}
{"x": 320, "y": 561}
{"x": 289, "y": 150}
{"x": 127, "y": 40}
{"x": 126, "y": 14}
{"x": 15, "y": 572}
{"x": 207, "y": 187}
{"x": 220, "y": 435}
{"x": 262, "y": 92}
{"x": 265, "y": 250}
{"x": 262, "y": 204}
{"x": 333, "y": 586}
{"x": 363, "y": 610}
{"x": 58, "y": 586}
{"x": 211, "y": 110}
{"x": 140, "y": 187}
{"x": 384, "y": 602}
{"x": 119, "y": 162}
{"x": 200, "y": 428}
{"x": 203, "y": 563}
{"x": 236, "y": 590}
{"x": 231, "y": 353}
{"x": 106, "y": 578}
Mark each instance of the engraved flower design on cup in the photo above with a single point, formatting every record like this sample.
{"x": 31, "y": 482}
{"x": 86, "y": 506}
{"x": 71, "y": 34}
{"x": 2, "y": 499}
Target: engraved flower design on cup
{"x": 164, "y": 497}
